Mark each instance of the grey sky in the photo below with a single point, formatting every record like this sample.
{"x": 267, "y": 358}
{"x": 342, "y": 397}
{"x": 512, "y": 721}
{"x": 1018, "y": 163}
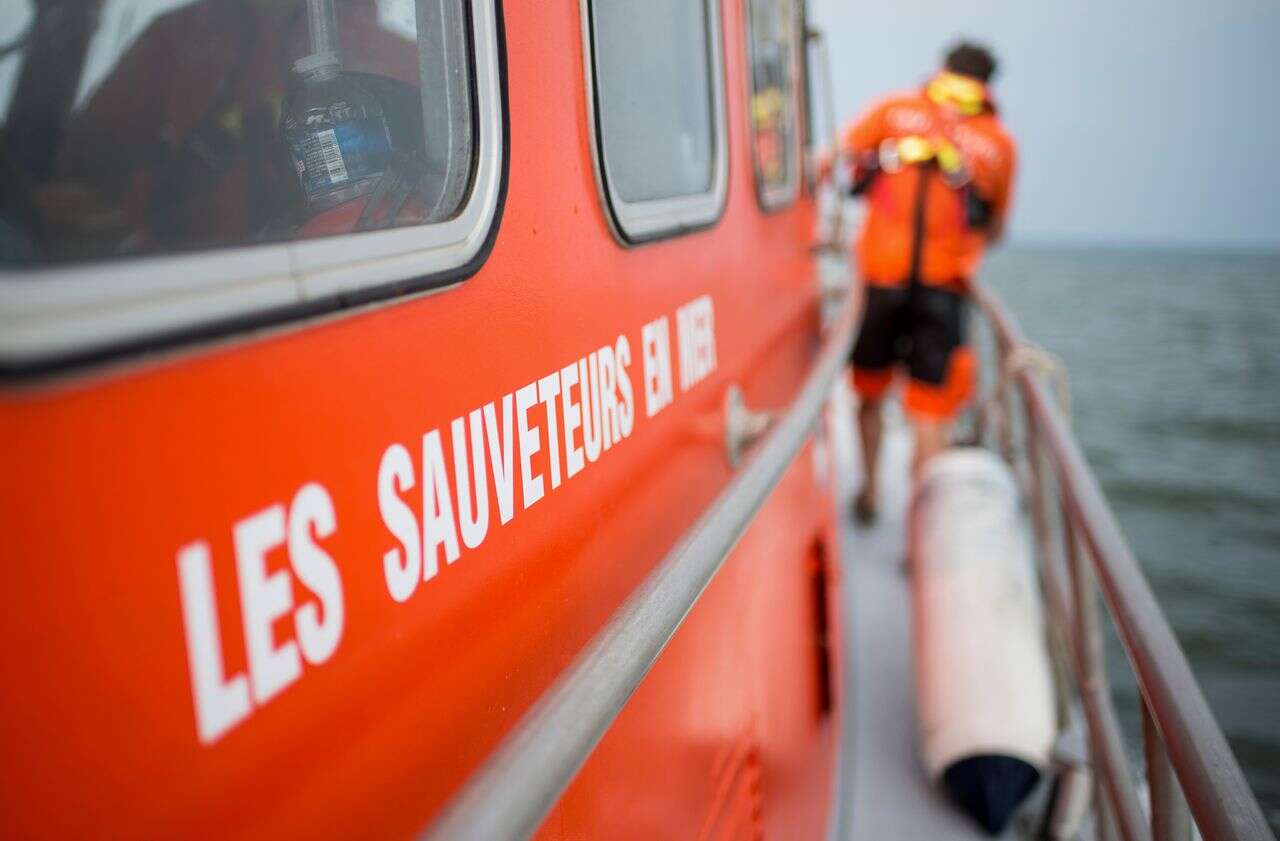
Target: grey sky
{"x": 1139, "y": 121}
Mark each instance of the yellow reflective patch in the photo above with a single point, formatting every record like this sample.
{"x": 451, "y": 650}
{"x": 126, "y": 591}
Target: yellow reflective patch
{"x": 949, "y": 157}
{"x": 914, "y": 149}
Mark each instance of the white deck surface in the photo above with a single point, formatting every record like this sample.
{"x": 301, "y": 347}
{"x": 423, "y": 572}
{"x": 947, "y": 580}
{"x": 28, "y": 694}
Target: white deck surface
{"x": 885, "y": 795}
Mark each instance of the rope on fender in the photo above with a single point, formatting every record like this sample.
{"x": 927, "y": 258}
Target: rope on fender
{"x": 1033, "y": 357}
{"x": 994, "y": 419}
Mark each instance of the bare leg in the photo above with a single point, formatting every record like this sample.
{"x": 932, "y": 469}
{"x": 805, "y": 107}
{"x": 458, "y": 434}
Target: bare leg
{"x": 870, "y": 426}
{"x": 932, "y": 437}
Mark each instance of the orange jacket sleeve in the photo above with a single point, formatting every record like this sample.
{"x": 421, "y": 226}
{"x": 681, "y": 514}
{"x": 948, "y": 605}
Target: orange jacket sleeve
{"x": 867, "y": 131}
{"x": 1002, "y": 195}
{"x": 993, "y": 177}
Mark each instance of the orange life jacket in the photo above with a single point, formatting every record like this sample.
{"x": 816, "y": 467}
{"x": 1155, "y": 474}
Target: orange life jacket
{"x": 917, "y": 221}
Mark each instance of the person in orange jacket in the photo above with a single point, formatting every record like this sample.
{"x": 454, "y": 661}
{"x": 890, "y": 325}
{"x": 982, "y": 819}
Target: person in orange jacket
{"x": 936, "y": 169}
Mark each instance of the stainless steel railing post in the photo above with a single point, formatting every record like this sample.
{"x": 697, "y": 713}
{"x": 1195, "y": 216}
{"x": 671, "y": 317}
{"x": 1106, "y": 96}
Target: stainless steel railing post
{"x": 1005, "y": 347}
{"x": 1106, "y": 827}
{"x": 1106, "y": 745}
{"x": 1170, "y": 817}
{"x": 1036, "y": 492}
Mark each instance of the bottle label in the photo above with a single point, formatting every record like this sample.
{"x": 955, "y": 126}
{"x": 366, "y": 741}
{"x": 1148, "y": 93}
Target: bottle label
{"x": 350, "y": 151}
{"x": 332, "y": 153}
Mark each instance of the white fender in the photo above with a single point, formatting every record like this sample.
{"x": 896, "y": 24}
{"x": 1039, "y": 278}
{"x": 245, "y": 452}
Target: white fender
{"x": 983, "y": 677}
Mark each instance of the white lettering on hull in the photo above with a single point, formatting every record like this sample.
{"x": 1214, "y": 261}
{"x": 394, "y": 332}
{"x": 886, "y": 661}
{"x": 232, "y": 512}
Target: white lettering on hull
{"x": 548, "y": 431}
{"x": 273, "y": 664}
{"x": 696, "y": 341}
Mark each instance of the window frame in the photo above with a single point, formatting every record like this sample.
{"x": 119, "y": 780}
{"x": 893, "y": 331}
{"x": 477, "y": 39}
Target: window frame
{"x": 780, "y": 197}
{"x": 52, "y": 316}
{"x": 638, "y": 222}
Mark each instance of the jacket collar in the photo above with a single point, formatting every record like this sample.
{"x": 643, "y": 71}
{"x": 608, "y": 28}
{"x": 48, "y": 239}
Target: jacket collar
{"x": 962, "y": 94}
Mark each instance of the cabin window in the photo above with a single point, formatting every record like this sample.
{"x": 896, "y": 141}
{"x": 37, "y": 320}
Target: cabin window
{"x": 773, "y": 35}
{"x": 300, "y": 140}
{"x": 657, "y": 80}
{"x": 808, "y": 118}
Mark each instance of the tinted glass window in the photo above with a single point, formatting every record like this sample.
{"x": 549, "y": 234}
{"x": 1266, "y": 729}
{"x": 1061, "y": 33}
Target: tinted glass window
{"x": 653, "y": 78}
{"x": 773, "y": 37}
{"x": 145, "y": 126}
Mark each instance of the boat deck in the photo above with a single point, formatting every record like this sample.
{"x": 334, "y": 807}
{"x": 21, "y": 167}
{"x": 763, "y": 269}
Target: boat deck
{"x": 884, "y": 792}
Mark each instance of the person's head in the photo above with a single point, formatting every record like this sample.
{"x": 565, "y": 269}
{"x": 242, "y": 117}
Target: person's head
{"x": 972, "y": 60}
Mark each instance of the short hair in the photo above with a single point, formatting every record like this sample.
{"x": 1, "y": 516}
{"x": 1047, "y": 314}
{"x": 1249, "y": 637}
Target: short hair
{"x": 969, "y": 59}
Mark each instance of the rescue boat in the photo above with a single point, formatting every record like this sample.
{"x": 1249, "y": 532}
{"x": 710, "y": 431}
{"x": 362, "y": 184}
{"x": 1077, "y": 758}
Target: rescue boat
{"x": 426, "y": 420}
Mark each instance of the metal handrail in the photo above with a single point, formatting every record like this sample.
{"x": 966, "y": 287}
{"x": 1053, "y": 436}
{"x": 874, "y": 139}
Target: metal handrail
{"x": 511, "y": 793}
{"x": 1180, "y": 727}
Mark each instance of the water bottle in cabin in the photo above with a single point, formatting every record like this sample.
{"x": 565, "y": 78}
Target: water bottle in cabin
{"x": 337, "y": 133}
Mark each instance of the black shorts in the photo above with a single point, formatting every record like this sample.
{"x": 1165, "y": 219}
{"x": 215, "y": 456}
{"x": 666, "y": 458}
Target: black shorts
{"x": 920, "y": 326}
